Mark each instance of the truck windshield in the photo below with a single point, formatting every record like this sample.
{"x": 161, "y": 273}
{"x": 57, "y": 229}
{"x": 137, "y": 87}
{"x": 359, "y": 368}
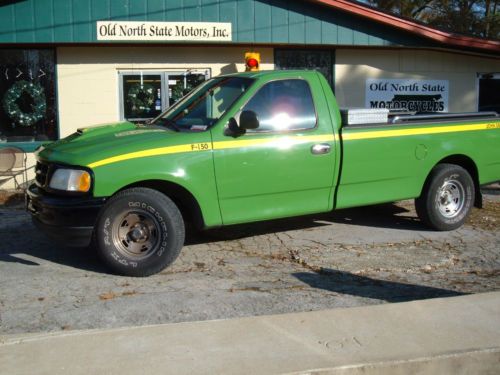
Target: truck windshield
{"x": 202, "y": 107}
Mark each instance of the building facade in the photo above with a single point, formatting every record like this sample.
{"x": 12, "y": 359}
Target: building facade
{"x": 67, "y": 64}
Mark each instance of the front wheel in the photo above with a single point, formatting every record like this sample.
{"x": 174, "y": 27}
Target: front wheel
{"x": 447, "y": 197}
{"x": 139, "y": 232}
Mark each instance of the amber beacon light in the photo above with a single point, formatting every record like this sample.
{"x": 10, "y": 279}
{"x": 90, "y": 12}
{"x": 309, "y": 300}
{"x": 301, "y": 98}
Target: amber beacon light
{"x": 252, "y": 61}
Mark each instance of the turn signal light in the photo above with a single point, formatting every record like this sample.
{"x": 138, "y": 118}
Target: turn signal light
{"x": 252, "y": 61}
{"x": 84, "y": 182}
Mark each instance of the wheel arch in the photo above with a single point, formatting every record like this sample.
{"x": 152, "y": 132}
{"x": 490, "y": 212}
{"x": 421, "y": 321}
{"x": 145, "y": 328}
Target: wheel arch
{"x": 183, "y": 199}
{"x": 470, "y": 166}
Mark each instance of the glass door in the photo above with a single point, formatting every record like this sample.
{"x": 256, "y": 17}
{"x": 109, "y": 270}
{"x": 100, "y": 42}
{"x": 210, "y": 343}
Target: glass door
{"x": 141, "y": 96}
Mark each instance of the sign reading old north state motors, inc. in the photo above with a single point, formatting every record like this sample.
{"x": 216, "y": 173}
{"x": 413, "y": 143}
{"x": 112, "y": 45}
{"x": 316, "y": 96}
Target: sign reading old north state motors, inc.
{"x": 164, "y": 31}
{"x": 412, "y": 95}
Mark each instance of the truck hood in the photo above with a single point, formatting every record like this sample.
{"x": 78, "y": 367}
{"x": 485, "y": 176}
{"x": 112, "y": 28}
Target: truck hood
{"x": 89, "y": 145}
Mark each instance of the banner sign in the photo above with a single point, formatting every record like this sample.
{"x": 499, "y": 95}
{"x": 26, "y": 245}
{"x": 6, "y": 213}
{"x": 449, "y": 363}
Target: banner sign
{"x": 412, "y": 95}
{"x": 164, "y": 31}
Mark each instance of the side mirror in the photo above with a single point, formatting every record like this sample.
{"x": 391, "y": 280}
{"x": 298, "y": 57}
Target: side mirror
{"x": 249, "y": 120}
{"x": 233, "y": 129}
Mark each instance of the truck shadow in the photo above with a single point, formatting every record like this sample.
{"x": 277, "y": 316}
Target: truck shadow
{"x": 39, "y": 252}
{"x": 24, "y": 244}
{"x": 362, "y": 286}
{"x": 385, "y": 216}
{"x": 493, "y": 189}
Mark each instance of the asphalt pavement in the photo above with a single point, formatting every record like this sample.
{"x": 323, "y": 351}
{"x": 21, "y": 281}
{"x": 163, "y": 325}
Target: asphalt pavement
{"x": 367, "y": 256}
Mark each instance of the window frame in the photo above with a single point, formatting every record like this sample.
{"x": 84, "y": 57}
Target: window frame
{"x": 163, "y": 87}
{"x": 256, "y": 132}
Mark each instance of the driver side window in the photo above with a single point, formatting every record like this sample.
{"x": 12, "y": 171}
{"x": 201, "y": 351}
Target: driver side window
{"x": 283, "y": 105}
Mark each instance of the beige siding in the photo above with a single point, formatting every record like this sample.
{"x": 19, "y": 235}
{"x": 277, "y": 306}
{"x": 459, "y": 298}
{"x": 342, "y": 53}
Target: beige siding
{"x": 88, "y": 76}
{"x": 354, "y": 66}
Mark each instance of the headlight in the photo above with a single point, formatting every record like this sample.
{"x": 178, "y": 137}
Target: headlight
{"x": 70, "y": 180}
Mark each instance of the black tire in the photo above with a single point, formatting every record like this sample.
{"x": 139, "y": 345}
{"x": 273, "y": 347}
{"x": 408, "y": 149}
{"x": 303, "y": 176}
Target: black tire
{"x": 139, "y": 232}
{"x": 447, "y": 197}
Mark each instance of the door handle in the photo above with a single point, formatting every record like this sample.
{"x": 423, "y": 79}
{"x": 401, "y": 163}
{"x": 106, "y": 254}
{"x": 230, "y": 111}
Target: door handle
{"x": 321, "y": 148}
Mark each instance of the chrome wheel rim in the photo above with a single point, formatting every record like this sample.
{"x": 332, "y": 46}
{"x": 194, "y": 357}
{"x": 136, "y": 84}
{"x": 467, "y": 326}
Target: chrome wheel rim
{"x": 136, "y": 234}
{"x": 451, "y": 198}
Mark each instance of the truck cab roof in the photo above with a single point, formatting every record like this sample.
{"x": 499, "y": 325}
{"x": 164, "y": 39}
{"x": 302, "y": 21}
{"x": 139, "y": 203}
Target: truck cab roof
{"x": 277, "y": 73}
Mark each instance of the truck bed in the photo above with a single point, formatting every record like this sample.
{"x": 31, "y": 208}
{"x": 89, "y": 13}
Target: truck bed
{"x": 395, "y": 166}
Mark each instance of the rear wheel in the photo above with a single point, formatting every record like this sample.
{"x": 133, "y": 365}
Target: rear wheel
{"x": 139, "y": 232}
{"x": 447, "y": 197}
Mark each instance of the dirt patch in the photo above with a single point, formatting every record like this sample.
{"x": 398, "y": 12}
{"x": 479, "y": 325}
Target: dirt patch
{"x": 487, "y": 218}
{"x": 11, "y": 198}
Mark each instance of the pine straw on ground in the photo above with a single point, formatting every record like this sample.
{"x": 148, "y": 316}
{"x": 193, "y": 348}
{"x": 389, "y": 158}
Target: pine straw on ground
{"x": 11, "y": 198}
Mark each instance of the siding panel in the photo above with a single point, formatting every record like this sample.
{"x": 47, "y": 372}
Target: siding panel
{"x": 345, "y": 35}
{"x": 82, "y": 25}
{"x": 245, "y": 31}
{"x": 156, "y": 10}
{"x": 313, "y": 30}
{"x": 192, "y": 10}
{"x": 227, "y": 13}
{"x": 43, "y": 21}
{"x": 209, "y": 11}
{"x": 279, "y": 22}
{"x": 360, "y": 38}
{"x": 119, "y": 10}
{"x": 296, "y": 27}
{"x": 137, "y": 10}
{"x": 24, "y": 21}
{"x": 329, "y": 33}
{"x": 100, "y": 11}
{"x": 260, "y": 21}
{"x": 63, "y": 18}
{"x": 7, "y": 24}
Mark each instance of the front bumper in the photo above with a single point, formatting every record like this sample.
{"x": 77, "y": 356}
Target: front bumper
{"x": 66, "y": 219}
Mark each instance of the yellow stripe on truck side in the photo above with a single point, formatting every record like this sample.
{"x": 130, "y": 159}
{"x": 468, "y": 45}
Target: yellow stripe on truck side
{"x": 205, "y": 146}
{"x": 287, "y": 141}
{"x": 142, "y": 154}
{"x": 279, "y": 141}
{"x": 418, "y": 131}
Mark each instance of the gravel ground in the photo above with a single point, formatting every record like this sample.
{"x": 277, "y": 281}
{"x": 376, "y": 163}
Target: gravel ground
{"x": 355, "y": 257}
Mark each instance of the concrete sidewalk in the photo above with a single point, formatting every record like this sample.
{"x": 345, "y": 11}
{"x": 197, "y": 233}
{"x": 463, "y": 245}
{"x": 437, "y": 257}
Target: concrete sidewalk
{"x": 459, "y": 335}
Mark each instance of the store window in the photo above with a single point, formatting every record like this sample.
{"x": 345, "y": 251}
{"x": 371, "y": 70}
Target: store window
{"x": 27, "y": 94}
{"x": 145, "y": 94}
{"x": 284, "y": 105}
{"x": 309, "y": 59}
{"x": 489, "y": 92}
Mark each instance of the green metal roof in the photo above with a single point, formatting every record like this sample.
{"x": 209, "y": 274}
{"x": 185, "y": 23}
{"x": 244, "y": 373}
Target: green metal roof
{"x": 263, "y": 21}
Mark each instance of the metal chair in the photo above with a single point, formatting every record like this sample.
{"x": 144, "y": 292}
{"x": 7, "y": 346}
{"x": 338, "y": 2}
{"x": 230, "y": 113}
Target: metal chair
{"x": 12, "y": 165}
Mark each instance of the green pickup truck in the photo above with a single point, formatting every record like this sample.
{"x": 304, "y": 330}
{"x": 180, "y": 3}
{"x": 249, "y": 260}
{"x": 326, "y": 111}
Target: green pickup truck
{"x": 249, "y": 147}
